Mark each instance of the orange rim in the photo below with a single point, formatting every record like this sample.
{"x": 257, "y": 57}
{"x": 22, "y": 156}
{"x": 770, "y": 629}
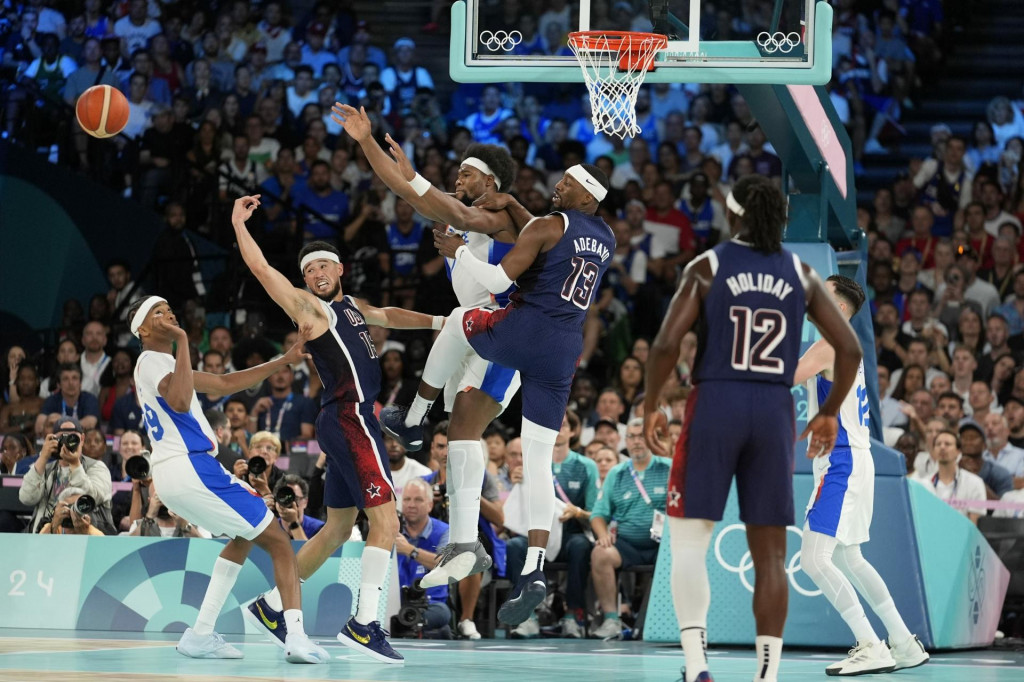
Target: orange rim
{"x": 612, "y": 40}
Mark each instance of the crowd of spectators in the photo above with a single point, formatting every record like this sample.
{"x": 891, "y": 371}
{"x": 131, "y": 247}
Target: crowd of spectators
{"x": 234, "y": 97}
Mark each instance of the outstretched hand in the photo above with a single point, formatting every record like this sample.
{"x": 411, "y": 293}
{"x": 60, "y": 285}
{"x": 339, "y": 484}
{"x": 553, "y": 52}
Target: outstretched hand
{"x": 356, "y": 123}
{"x": 296, "y": 354}
{"x": 404, "y": 165}
{"x": 244, "y": 207}
{"x": 493, "y": 201}
{"x": 447, "y": 244}
{"x": 823, "y": 430}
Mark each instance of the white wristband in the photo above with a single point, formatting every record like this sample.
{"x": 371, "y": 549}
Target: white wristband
{"x": 437, "y": 322}
{"x": 420, "y": 185}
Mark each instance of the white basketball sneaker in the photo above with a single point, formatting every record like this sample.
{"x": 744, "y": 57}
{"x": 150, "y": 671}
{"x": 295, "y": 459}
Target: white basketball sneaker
{"x": 909, "y": 653}
{"x": 205, "y": 646}
{"x": 864, "y": 659}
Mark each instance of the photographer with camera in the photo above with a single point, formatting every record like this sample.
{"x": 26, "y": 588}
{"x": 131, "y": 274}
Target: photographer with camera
{"x": 48, "y": 476}
{"x": 417, "y": 544}
{"x": 258, "y": 468}
{"x": 161, "y": 522}
{"x": 291, "y": 494}
{"x": 71, "y": 516}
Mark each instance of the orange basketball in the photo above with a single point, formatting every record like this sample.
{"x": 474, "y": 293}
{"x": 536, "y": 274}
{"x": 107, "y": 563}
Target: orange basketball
{"x": 102, "y": 111}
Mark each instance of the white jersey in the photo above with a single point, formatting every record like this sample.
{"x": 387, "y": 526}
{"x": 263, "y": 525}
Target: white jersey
{"x": 471, "y": 293}
{"x": 171, "y": 433}
{"x": 853, "y": 413}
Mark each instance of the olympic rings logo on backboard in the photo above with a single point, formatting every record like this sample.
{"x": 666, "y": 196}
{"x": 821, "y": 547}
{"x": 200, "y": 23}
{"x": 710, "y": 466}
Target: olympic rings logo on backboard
{"x": 745, "y": 565}
{"x": 500, "y": 40}
{"x": 778, "y": 41}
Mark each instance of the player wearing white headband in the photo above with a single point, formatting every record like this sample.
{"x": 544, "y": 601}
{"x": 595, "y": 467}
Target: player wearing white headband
{"x": 481, "y": 390}
{"x": 358, "y": 476}
{"x": 193, "y": 484}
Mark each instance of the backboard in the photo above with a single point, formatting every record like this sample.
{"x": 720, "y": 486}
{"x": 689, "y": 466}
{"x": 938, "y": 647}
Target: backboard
{"x": 729, "y": 41}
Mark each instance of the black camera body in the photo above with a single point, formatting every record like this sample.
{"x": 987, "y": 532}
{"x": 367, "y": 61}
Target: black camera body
{"x": 414, "y": 602}
{"x": 71, "y": 441}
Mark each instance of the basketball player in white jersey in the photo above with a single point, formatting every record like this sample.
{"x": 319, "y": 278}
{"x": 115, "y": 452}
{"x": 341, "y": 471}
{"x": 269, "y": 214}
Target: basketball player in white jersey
{"x": 194, "y": 485}
{"x": 481, "y": 390}
{"x": 839, "y": 515}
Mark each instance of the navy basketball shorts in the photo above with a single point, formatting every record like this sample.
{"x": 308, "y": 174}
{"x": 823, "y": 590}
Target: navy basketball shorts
{"x": 545, "y": 353}
{"x": 741, "y": 429}
{"x": 358, "y": 474}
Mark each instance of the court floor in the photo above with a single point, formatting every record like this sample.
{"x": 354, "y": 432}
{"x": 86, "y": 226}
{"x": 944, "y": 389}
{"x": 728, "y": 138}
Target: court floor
{"x": 41, "y": 656}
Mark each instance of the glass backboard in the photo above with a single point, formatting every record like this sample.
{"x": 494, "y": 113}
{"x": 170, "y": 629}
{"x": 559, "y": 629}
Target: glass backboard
{"x": 726, "y": 41}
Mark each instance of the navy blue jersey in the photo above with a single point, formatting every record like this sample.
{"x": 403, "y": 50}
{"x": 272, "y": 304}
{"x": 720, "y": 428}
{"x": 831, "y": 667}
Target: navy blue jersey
{"x": 562, "y": 281}
{"x": 404, "y": 248}
{"x": 751, "y": 320}
{"x": 344, "y": 356}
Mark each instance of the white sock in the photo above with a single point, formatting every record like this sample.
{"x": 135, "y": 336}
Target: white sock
{"x": 222, "y": 579}
{"x": 534, "y": 560}
{"x": 538, "y": 447}
{"x": 466, "y": 478}
{"x": 691, "y": 591}
{"x": 293, "y": 621}
{"x": 418, "y": 410}
{"x": 769, "y": 655}
{"x": 866, "y": 580}
{"x": 817, "y": 553}
{"x": 274, "y": 599}
{"x": 375, "y": 566}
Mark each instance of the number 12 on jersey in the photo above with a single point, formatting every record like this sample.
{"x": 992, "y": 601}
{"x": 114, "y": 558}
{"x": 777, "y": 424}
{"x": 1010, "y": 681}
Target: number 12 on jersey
{"x": 755, "y": 355}
{"x": 579, "y": 287}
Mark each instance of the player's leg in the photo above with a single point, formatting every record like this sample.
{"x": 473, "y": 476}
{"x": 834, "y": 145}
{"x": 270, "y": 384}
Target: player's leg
{"x": 771, "y": 595}
{"x": 200, "y": 641}
{"x": 691, "y": 590}
{"x": 907, "y": 651}
{"x": 480, "y": 397}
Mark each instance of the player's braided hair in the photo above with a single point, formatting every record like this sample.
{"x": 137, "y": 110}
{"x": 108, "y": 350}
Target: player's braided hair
{"x": 765, "y": 211}
{"x": 499, "y": 161}
{"x": 849, "y": 290}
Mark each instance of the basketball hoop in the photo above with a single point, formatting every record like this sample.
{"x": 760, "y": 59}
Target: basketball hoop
{"x": 614, "y": 65}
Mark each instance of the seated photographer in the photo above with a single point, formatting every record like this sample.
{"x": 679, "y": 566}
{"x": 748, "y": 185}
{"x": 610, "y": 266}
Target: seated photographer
{"x": 47, "y": 477}
{"x": 72, "y": 515}
{"x": 129, "y": 507}
{"x": 417, "y": 543}
{"x": 161, "y": 522}
{"x": 258, "y": 468}
{"x": 291, "y": 494}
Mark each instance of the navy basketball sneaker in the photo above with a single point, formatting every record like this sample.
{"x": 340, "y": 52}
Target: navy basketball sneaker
{"x": 392, "y": 420}
{"x": 530, "y": 591}
{"x": 370, "y": 640}
{"x": 267, "y": 620}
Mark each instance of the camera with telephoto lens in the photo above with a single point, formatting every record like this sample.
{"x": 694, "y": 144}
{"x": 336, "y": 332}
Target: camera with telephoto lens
{"x": 414, "y": 603}
{"x": 138, "y": 467}
{"x": 82, "y": 506}
{"x": 257, "y": 465}
{"x": 285, "y": 496}
{"x": 71, "y": 441}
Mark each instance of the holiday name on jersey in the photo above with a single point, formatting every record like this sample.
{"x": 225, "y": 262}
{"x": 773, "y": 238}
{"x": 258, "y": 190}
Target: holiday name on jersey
{"x": 746, "y": 282}
{"x": 593, "y": 246}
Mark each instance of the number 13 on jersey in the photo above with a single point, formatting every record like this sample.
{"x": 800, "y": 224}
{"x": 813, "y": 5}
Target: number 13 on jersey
{"x": 579, "y": 286}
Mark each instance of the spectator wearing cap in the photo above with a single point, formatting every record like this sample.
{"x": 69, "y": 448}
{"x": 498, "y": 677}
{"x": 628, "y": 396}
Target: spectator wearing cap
{"x": 314, "y": 54}
{"x": 945, "y": 185}
{"x": 58, "y": 467}
{"x": 374, "y": 54}
{"x": 401, "y": 80}
{"x": 998, "y": 480}
{"x": 999, "y": 450}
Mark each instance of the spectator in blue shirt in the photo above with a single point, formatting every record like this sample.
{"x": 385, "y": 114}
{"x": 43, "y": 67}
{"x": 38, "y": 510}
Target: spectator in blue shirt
{"x": 417, "y": 546}
{"x": 284, "y": 413}
{"x": 292, "y": 516}
{"x": 318, "y": 195}
{"x": 71, "y": 401}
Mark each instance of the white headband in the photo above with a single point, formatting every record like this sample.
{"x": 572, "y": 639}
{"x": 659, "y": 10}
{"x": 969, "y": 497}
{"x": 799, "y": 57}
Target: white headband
{"x": 483, "y": 168}
{"x": 140, "y": 314}
{"x": 734, "y": 205}
{"x": 316, "y": 255}
{"x": 588, "y": 181}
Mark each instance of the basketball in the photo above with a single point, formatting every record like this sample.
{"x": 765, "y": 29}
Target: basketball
{"x": 102, "y": 111}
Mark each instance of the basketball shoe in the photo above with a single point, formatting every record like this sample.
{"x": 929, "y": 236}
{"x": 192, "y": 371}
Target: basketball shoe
{"x": 455, "y": 562}
{"x": 205, "y": 646}
{"x": 370, "y": 640}
{"x": 528, "y": 593}
{"x": 392, "y": 420}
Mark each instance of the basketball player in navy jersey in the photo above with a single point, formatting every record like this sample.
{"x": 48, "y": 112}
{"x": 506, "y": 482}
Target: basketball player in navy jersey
{"x": 358, "y": 475}
{"x": 557, "y": 262}
{"x": 747, "y": 298}
{"x": 484, "y": 389}
{"x": 839, "y": 516}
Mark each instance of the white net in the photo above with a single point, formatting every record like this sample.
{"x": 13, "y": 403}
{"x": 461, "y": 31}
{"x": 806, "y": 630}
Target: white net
{"x": 614, "y": 66}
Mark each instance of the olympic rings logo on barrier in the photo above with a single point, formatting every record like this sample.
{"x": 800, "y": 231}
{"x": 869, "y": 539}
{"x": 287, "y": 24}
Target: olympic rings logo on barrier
{"x": 745, "y": 565}
{"x": 778, "y": 41}
{"x": 500, "y": 40}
